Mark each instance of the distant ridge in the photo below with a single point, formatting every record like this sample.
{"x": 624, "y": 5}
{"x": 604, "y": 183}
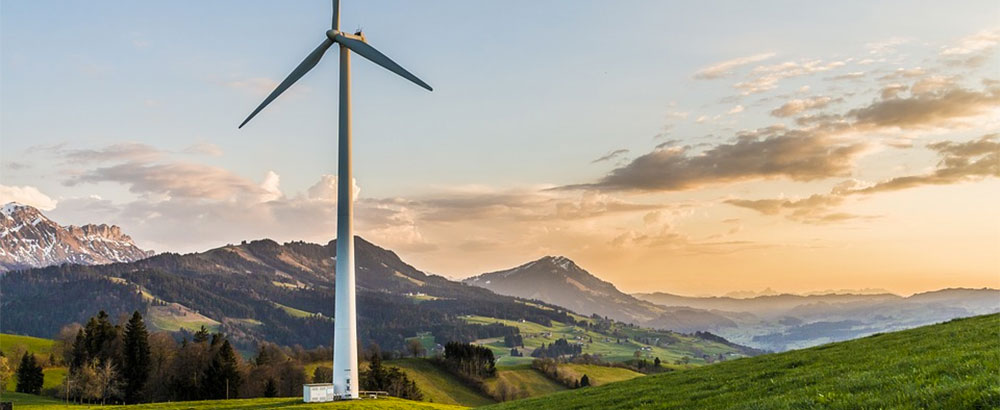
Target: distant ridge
{"x": 29, "y": 239}
{"x": 560, "y": 281}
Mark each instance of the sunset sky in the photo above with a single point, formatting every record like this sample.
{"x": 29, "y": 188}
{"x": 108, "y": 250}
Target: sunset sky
{"x": 696, "y": 148}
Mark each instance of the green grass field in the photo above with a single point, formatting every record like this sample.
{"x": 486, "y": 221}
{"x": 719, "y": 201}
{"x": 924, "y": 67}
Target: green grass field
{"x": 599, "y": 344}
{"x": 34, "y": 345}
{"x": 439, "y": 386}
{"x": 955, "y": 365}
{"x": 599, "y": 375}
{"x": 41, "y": 348}
{"x": 529, "y": 381}
{"x": 31, "y": 402}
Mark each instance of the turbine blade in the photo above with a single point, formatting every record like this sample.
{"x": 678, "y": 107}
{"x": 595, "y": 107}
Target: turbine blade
{"x": 296, "y": 74}
{"x": 367, "y": 51}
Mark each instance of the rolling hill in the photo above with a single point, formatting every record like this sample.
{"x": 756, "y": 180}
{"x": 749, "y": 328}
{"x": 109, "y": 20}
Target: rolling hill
{"x": 951, "y": 365}
{"x": 32, "y": 402}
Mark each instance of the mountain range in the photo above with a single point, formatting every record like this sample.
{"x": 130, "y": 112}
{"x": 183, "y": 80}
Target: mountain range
{"x": 769, "y": 320}
{"x": 29, "y": 239}
{"x": 283, "y": 293}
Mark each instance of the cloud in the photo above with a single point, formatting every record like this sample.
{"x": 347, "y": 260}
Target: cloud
{"x": 736, "y": 110}
{"x": 521, "y": 205}
{"x": 792, "y": 154}
{"x": 179, "y": 180}
{"x": 959, "y": 162}
{"x": 204, "y": 148}
{"x": 815, "y": 209}
{"x": 765, "y": 78}
{"x": 796, "y": 106}
{"x": 886, "y": 46}
{"x": 976, "y": 43}
{"x": 26, "y": 195}
{"x": 326, "y": 189}
{"x": 943, "y": 107}
{"x": 725, "y": 68}
{"x": 849, "y": 76}
{"x": 611, "y": 155}
{"x": 15, "y": 165}
{"x": 127, "y": 151}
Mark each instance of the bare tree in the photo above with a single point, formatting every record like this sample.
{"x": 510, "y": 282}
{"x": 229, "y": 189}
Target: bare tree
{"x": 415, "y": 347}
{"x": 106, "y": 381}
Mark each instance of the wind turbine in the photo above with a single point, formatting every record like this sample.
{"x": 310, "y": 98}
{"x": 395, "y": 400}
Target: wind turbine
{"x": 345, "y": 344}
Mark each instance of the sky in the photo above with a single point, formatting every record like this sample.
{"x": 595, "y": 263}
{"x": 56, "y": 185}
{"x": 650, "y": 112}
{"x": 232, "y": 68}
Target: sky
{"x": 691, "y": 148}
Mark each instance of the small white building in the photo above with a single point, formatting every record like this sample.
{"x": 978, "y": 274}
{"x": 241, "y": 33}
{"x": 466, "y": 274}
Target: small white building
{"x": 318, "y": 392}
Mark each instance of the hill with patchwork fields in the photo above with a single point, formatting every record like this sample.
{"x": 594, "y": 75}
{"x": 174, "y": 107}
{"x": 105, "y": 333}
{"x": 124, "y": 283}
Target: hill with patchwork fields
{"x": 953, "y": 365}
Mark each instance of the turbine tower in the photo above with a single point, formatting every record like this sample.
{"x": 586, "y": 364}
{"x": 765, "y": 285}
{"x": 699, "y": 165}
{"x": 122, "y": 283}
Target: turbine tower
{"x": 345, "y": 340}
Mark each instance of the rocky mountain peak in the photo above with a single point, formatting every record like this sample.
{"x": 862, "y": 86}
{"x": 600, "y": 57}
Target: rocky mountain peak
{"x": 29, "y": 239}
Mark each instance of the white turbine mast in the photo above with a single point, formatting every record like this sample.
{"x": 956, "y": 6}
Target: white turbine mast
{"x": 345, "y": 340}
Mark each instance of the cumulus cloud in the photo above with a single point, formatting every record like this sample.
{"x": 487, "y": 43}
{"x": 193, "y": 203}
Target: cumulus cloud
{"x": 326, "y": 189}
{"x": 26, "y": 195}
{"x": 725, "y": 68}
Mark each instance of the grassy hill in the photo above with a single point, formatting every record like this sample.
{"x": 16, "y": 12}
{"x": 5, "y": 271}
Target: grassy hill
{"x": 11, "y": 344}
{"x": 615, "y": 349}
{"x": 530, "y": 382}
{"x": 600, "y": 375}
{"x": 30, "y": 402}
{"x": 951, "y": 365}
{"x": 35, "y": 345}
{"x": 439, "y": 386}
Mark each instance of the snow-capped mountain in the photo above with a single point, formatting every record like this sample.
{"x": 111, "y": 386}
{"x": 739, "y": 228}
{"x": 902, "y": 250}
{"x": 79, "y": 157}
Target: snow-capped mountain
{"x": 29, "y": 239}
{"x": 560, "y": 281}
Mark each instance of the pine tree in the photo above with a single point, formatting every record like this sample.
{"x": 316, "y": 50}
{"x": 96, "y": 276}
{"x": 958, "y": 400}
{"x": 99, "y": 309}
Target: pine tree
{"x": 137, "y": 360}
{"x": 222, "y": 377}
{"x": 270, "y": 389}
{"x": 201, "y": 335}
{"x": 656, "y": 362}
{"x": 80, "y": 356}
{"x": 29, "y": 375}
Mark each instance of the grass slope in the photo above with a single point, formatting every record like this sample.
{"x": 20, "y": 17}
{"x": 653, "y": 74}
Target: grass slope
{"x": 31, "y": 402}
{"x": 439, "y": 386}
{"x": 40, "y": 347}
{"x": 600, "y": 375}
{"x": 527, "y": 380}
{"x": 35, "y": 345}
{"x": 608, "y": 347}
{"x": 949, "y": 366}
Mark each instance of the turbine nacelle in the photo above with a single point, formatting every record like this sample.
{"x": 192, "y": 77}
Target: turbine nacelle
{"x": 336, "y": 35}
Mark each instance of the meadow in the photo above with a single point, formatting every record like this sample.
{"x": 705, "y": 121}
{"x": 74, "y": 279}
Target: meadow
{"x": 954, "y": 365}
